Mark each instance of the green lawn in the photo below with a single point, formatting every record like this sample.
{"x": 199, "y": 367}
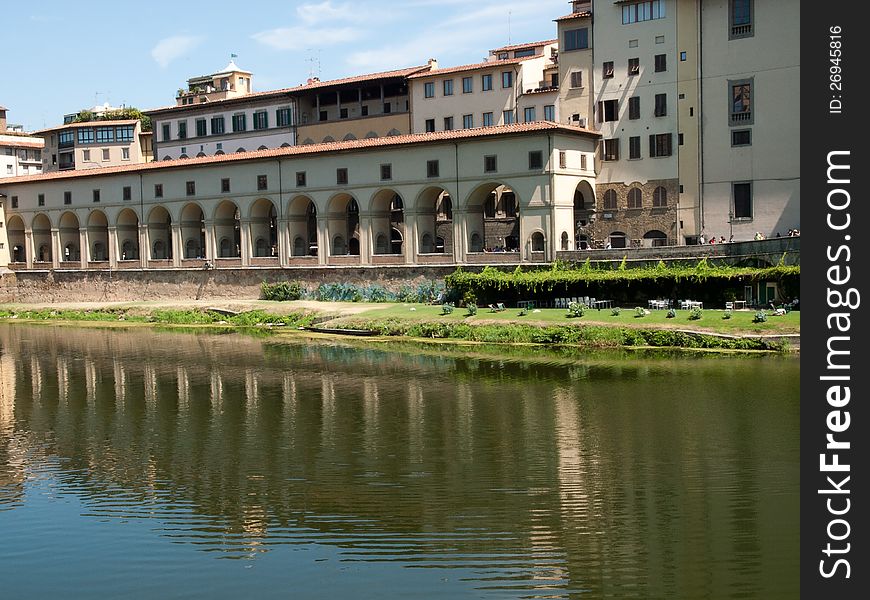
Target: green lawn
{"x": 740, "y": 321}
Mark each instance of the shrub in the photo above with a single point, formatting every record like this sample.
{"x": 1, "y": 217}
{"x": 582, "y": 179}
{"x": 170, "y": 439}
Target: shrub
{"x": 446, "y": 308}
{"x": 760, "y": 317}
{"x": 696, "y": 314}
{"x": 469, "y": 297}
{"x": 471, "y": 309}
{"x": 726, "y": 314}
{"x": 615, "y": 311}
{"x": 524, "y": 311}
{"x": 639, "y": 312}
{"x": 282, "y": 291}
{"x": 671, "y": 313}
{"x": 576, "y": 309}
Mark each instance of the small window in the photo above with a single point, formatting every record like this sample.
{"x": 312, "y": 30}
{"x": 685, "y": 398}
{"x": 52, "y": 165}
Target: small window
{"x": 487, "y": 119}
{"x": 683, "y": 56}
{"x": 490, "y": 163}
{"x": 741, "y": 102}
{"x": 608, "y": 110}
{"x": 467, "y": 121}
{"x": 661, "y": 63}
{"x": 432, "y": 168}
{"x": 341, "y": 176}
{"x": 201, "y": 128}
{"x": 86, "y": 155}
{"x": 634, "y": 147}
{"x": 633, "y": 66}
{"x": 96, "y": 197}
{"x": 563, "y": 159}
{"x": 550, "y": 112}
{"x": 583, "y": 162}
{"x": 105, "y": 154}
{"x": 127, "y": 192}
{"x": 158, "y": 190}
{"x": 660, "y": 144}
{"x": 386, "y": 172}
{"x": 448, "y": 123}
{"x": 740, "y": 16}
{"x": 679, "y": 139}
{"x": 529, "y": 114}
{"x": 607, "y": 70}
{"x": 448, "y": 87}
{"x": 507, "y": 79}
{"x": 300, "y": 178}
{"x": 576, "y": 39}
{"x": 342, "y": 114}
{"x": 225, "y": 185}
{"x": 611, "y": 149}
{"x": 742, "y": 200}
{"x": 634, "y": 107}
{"x": 508, "y": 117}
{"x": 40, "y": 200}
{"x": 661, "y": 109}
{"x": 536, "y": 160}
{"x": 190, "y": 186}
{"x": 430, "y": 125}
{"x": 610, "y": 200}
{"x": 364, "y": 110}
{"x": 240, "y": 122}
{"x": 166, "y": 132}
{"x": 467, "y": 85}
{"x": 429, "y": 89}
{"x": 282, "y": 119}
{"x": 125, "y": 154}
{"x": 262, "y": 182}
{"x": 635, "y": 198}
{"x": 261, "y": 119}
{"x": 660, "y": 39}
{"x": 741, "y": 137}
{"x": 182, "y": 130}
{"x": 660, "y": 197}
{"x": 576, "y": 79}
{"x": 486, "y": 82}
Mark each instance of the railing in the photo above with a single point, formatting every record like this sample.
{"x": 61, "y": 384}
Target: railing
{"x": 741, "y": 30}
{"x": 741, "y": 117}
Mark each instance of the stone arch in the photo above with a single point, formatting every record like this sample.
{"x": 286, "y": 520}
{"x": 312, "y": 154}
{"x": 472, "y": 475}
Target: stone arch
{"x": 68, "y": 231}
{"x": 285, "y": 145}
{"x": 388, "y": 213}
{"x": 227, "y": 230}
{"x": 617, "y": 239}
{"x": 302, "y": 216}
{"x": 370, "y": 135}
{"x": 41, "y": 227}
{"x": 193, "y": 230}
{"x": 492, "y": 209}
{"x": 349, "y": 137}
{"x": 15, "y": 233}
{"x": 563, "y": 241}
{"x": 584, "y": 214}
{"x": 264, "y": 227}
{"x": 655, "y": 238}
{"x": 435, "y": 217}
{"x": 240, "y": 149}
{"x": 328, "y": 139}
{"x": 343, "y": 211}
{"x": 393, "y": 132}
{"x": 537, "y": 241}
{"x": 160, "y": 233}
{"x": 263, "y": 148}
{"x": 127, "y": 232}
{"x": 98, "y": 236}
{"x": 200, "y": 154}
{"x": 167, "y": 157}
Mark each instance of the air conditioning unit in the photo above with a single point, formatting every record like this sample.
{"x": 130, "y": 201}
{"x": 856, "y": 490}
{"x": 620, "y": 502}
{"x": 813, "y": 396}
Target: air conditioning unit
{"x": 578, "y": 120}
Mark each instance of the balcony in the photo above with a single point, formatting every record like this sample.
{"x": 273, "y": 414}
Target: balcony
{"x": 744, "y": 30}
{"x": 741, "y": 117}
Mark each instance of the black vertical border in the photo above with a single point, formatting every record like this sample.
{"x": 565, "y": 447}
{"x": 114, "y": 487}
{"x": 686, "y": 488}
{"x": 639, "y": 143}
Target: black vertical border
{"x": 823, "y": 132}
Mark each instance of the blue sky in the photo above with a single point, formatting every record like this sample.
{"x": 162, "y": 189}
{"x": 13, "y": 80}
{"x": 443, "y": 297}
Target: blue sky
{"x": 63, "y": 56}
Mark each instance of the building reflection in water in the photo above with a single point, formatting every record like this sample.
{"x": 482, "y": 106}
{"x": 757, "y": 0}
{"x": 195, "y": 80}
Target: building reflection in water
{"x": 633, "y": 477}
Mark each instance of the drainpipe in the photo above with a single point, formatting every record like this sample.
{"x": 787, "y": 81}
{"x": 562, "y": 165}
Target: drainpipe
{"x": 142, "y": 212}
{"x": 456, "y": 205}
{"x": 551, "y": 197}
{"x": 700, "y": 125}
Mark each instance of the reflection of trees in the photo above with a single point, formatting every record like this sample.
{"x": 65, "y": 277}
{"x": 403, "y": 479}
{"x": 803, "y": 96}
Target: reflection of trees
{"x": 636, "y": 478}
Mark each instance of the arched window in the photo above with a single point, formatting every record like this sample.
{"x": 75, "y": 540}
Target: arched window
{"x": 157, "y": 252}
{"x": 219, "y": 153}
{"x": 98, "y": 253}
{"x": 262, "y": 148}
{"x": 635, "y": 198}
{"x": 476, "y": 242}
{"x": 298, "y": 246}
{"x": 191, "y": 249}
{"x": 167, "y": 157}
{"x": 371, "y": 134}
{"x": 564, "y": 245}
{"x": 395, "y": 241}
{"x": 307, "y": 141}
{"x": 537, "y": 242}
{"x": 394, "y": 132}
{"x": 381, "y": 244}
{"x": 508, "y": 204}
{"x": 353, "y": 247}
{"x": 426, "y": 244}
{"x": 184, "y": 156}
{"x": 349, "y": 137}
{"x": 224, "y": 247}
{"x": 338, "y": 247}
{"x": 200, "y": 154}
{"x": 617, "y": 240}
{"x": 579, "y": 200}
{"x": 657, "y": 238}
{"x": 44, "y": 253}
{"x": 610, "y": 200}
{"x": 445, "y": 209}
{"x": 439, "y": 245}
{"x": 128, "y": 251}
{"x": 328, "y": 139}
{"x": 261, "y": 248}
{"x": 240, "y": 150}
{"x": 285, "y": 145}
{"x": 660, "y": 197}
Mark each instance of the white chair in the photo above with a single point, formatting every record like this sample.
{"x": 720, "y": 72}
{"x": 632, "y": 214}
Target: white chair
{"x": 729, "y": 306}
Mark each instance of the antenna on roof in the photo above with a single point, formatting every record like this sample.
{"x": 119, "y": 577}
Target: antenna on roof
{"x": 314, "y": 63}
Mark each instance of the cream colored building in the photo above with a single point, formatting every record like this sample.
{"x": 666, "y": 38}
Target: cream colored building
{"x": 363, "y": 202}
{"x": 20, "y": 153}
{"x": 94, "y": 145}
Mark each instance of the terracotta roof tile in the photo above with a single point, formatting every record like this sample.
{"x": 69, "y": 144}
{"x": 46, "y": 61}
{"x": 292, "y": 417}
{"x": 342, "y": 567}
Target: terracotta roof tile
{"x": 309, "y": 149}
{"x": 521, "y": 46}
{"x": 574, "y": 16}
{"x": 21, "y": 143}
{"x": 493, "y": 64}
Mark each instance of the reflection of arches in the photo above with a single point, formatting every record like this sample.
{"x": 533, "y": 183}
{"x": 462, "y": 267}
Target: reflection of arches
{"x": 564, "y": 240}
{"x": 476, "y": 242}
{"x": 537, "y": 242}
{"x": 657, "y": 238}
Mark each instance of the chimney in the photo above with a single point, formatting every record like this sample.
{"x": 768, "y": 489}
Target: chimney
{"x": 433, "y": 63}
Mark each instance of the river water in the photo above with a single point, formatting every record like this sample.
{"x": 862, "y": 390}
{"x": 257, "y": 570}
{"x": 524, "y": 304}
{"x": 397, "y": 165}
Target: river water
{"x": 156, "y": 464}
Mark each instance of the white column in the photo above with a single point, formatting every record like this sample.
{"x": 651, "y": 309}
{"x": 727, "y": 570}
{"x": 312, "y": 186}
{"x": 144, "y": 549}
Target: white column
{"x": 113, "y": 247}
{"x": 177, "y": 244}
{"x": 459, "y": 233}
{"x": 144, "y": 245}
{"x": 55, "y": 248}
{"x": 411, "y": 238}
{"x": 284, "y": 244}
{"x": 366, "y": 244}
{"x": 210, "y": 253}
{"x": 322, "y": 240}
{"x": 29, "y": 250}
{"x": 83, "y": 247}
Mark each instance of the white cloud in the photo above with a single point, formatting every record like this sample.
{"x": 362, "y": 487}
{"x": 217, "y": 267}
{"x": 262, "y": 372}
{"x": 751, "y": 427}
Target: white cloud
{"x": 168, "y": 49}
{"x": 326, "y": 11}
{"x": 295, "y": 38}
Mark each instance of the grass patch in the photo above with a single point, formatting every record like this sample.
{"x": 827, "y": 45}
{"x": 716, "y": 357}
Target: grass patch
{"x": 253, "y": 318}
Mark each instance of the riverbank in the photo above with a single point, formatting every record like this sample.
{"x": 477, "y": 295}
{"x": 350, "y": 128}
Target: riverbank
{"x": 597, "y": 329}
